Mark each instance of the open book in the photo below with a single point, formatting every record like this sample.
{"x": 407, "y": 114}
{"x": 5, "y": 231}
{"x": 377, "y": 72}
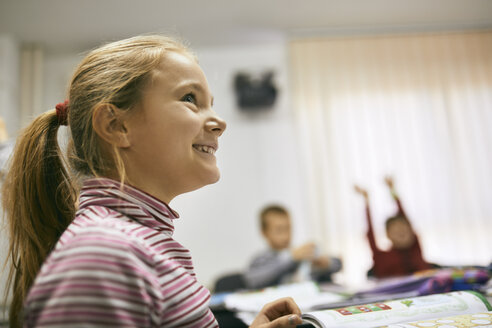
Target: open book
{"x": 406, "y": 312}
{"x": 247, "y": 304}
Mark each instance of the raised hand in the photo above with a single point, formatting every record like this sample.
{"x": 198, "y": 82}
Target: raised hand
{"x": 389, "y": 181}
{"x": 361, "y": 191}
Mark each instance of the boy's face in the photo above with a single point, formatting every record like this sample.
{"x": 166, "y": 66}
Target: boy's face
{"x": 401, "y": 234}
{"x": 277, "y": 230}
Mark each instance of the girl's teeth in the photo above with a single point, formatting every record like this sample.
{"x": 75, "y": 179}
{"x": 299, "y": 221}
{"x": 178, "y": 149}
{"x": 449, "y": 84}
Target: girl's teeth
{"x": 206, "y": 149}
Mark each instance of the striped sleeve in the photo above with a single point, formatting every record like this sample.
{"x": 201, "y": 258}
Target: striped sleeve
{"x": 100, "y": 278}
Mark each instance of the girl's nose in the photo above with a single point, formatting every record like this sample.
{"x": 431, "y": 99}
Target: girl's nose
{"x": 216, "y": 125}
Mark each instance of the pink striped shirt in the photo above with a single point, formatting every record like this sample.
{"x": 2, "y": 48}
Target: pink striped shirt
{"x": 117, "y": 265}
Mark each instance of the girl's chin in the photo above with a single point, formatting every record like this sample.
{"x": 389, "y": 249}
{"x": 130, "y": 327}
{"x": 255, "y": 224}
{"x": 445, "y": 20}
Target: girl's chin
{"x": 215, "y": 177}
{"x": 210, "y": 178}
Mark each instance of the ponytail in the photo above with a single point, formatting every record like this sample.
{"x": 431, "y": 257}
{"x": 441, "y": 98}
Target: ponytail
{"x": 38, "y": 201}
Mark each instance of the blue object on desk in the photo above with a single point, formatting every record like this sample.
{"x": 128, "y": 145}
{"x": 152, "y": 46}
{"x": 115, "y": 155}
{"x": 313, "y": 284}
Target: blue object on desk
{"x": 217, "y": 300}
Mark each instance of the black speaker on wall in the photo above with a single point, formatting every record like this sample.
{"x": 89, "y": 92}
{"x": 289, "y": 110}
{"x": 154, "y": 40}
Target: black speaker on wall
{"x": 255, "y": 92}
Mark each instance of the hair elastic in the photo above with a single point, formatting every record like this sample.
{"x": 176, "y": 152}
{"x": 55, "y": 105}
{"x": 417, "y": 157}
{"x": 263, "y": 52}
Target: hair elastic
{"x": 62, "y": 113}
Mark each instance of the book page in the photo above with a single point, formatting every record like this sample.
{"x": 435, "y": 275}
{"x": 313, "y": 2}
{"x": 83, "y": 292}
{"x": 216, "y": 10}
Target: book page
{"x": 305, "y": 294}
{"x": 483, "y": 319}
{"x": 398, "y": 311}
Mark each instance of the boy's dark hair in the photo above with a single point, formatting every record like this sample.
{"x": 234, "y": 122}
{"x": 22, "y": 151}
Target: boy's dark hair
{"x": 271, "y": 209}
{"x": 397, "y": 217}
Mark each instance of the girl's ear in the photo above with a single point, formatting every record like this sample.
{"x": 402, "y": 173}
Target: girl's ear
{"x": 110, "y": 126}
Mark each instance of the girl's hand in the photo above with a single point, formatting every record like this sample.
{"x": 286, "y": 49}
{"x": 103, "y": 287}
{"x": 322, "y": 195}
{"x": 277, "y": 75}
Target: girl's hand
{"x": 283, "y": 312}
{"x": 389, "y": 181}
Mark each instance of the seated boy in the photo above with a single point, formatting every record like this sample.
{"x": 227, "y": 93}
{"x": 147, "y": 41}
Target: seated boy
{"x": 405, "y": 255}
{"x": 280, "y": 264}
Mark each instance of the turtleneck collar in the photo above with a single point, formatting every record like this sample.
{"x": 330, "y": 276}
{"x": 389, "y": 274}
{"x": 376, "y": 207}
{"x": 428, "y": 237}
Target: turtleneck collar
{"x": 129, "y": 201}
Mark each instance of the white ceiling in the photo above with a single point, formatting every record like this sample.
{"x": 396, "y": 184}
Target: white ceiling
{"x": 67, "y": 25}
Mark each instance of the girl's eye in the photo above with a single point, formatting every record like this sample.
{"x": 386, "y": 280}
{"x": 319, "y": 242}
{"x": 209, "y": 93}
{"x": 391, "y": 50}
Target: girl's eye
{"x": 189, "y": 97}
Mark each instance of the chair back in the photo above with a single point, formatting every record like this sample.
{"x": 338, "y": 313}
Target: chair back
{"x": 229, "y": 283}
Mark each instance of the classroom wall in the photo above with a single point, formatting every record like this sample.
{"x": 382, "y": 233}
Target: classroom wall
{"x": 9, "y": 82}
{"x": 9, "y": 78}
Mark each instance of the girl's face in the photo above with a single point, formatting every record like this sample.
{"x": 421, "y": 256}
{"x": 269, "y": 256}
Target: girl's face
{"x": 174, "y": 133}
{"x": 400, "y": 234}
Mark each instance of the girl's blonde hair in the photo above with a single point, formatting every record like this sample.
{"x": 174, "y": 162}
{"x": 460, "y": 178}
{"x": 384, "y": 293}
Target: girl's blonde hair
{"x": 39, "y": 192}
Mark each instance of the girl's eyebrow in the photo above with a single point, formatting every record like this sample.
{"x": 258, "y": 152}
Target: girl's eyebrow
{"x": 194, "y": 85}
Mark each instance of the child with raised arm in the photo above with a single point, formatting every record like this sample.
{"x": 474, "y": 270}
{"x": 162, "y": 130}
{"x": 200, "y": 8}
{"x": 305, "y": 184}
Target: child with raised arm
{"x": 143, "y": 131}
{"x": 405, "y": 255}
{"x": 280, "y": 263}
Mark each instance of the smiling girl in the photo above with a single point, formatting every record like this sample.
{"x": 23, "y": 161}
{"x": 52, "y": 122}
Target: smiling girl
{"x": 92, "y": 243}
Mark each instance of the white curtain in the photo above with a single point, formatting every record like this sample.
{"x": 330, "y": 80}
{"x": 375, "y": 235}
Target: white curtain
{"x": 416, "y": 107}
